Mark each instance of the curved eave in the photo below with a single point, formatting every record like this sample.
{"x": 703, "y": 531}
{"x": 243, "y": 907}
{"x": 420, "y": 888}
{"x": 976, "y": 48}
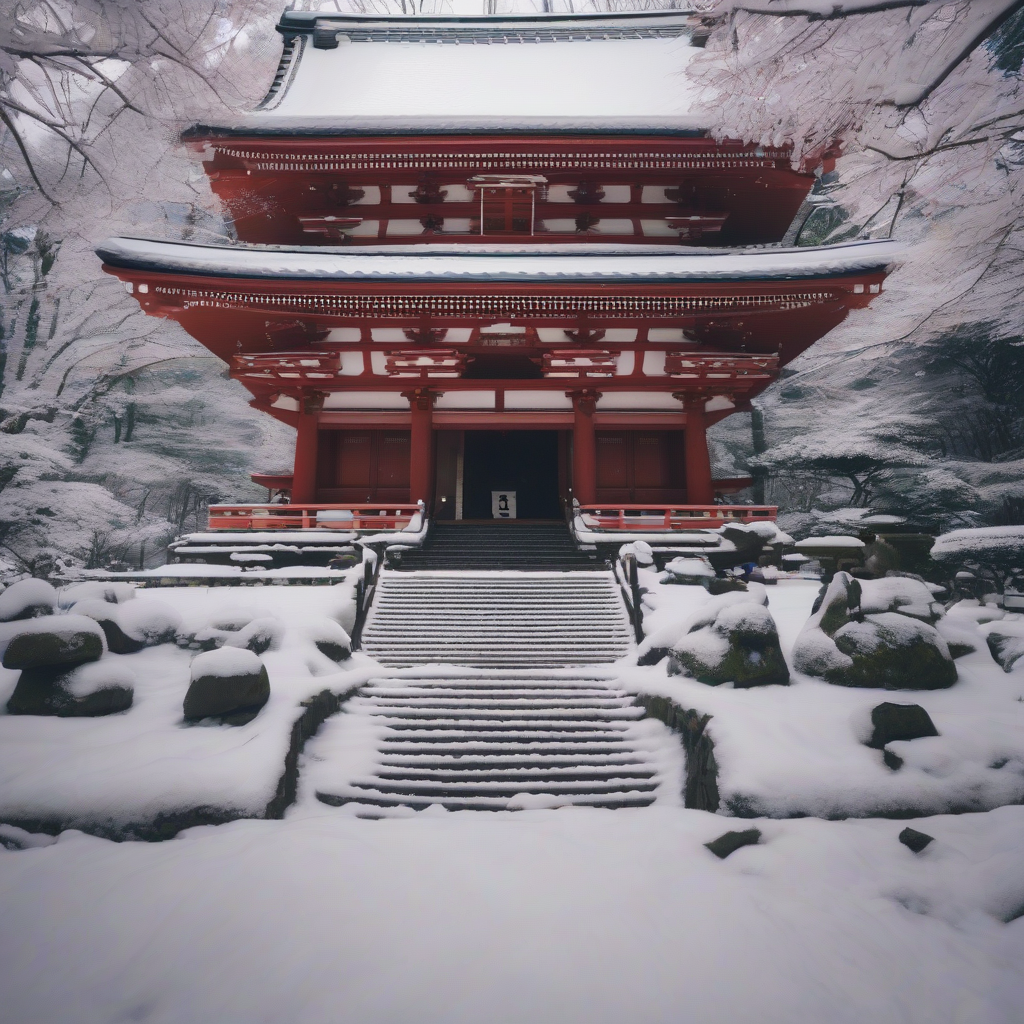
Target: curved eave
{"x": 271, "y": 126}
{"x": 527, "y": 264}
{"x": 306, "y": 21}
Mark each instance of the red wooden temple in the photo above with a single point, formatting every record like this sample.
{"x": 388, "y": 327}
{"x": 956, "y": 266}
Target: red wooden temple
{"x": 483, "y": 254}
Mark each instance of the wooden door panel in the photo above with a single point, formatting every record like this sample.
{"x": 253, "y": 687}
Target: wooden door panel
{"x": 649, "y": 461}
{"x": 393, "y": 460}
{"x": 635, "y": 466}
{"x": 363, "y": 465}
{"x": 355, "y": 459}
{"x": 612, "y": 460}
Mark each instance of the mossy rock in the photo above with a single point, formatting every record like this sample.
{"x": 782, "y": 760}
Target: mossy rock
{"x": 48, "y": 691}
{"x": 118, "y": 641}
{"x": 734, "y": 643}
{"x": 895, "y": 652}
{"x": 725, "y": 585}
{"x": 332, "y": 650}
{"x": 1007, "y": 650}
{"x": 895, "y": 648}
{"x": 892, "y": 722}
{"x": 58, "y": 640}
{"x": 330, "y": 639}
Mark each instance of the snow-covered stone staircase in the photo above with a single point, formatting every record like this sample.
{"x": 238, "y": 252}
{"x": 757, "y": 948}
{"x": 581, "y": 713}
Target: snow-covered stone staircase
{"x": 500, "y": 741}
{"x": 497, "y": 619}
{"x": 518, "y": 708}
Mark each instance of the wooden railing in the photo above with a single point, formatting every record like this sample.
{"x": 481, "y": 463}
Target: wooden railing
{"x": 304, "y": 517}
{"x": 642, "y": 518}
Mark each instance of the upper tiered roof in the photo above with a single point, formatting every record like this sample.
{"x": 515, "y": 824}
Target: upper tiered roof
{"x": 523, "y": 263}
{"x": 342, "y": 74}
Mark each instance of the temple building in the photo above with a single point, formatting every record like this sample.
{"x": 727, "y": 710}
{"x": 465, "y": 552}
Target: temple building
{"x": 482, "y": 256}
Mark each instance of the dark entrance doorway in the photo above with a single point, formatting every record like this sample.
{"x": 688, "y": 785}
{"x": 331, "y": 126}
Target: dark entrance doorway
{"x": 524, "y": 461}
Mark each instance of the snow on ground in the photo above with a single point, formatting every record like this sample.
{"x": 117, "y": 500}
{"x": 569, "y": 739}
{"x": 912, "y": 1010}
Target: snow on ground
{"x": 799, "y": 749}
{"x": 128, "y": 768}
{"x": 541, "y": 916}
{"x": 536, "y": 915}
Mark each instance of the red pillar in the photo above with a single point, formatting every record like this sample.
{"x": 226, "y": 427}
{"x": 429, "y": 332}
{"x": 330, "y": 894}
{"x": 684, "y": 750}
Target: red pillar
{"x": 306, "y": 440}
{"x": 421, "y": 445}
{"x": 584, "y": 446}
{"x": 699, "y": 489}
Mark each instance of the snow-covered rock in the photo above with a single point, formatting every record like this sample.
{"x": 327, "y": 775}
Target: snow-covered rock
{"x": 733, "y": 639}
{"x": 152, "y": 622}
{"x": 26, "y": 599}
{"x": 96, "y": 590}
{"x": 688, "y": 571}
{"x": 886, "y": 648}
{"x": 105, "y": 615}
{"x": 330, "y": 639}
{"x": 87, "y": 691}
{"x": 904, "y": 594}
{"x": 1006, "y": 644}
{"x": 128, "y": 628}
{"x": 53, "y": 640}
{"x": 892, "y": 722}
{"x": 257, "y": 636}
{"x": 640, "y": 550}
{"x": 230, "y": 683}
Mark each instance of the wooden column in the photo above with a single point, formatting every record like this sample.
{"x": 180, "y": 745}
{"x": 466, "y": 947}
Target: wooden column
{"x": 421, "y": 445}
{"x": 699, "y": 489}
{"x": 584, "y": 446}
{"x": 306, "y": 441}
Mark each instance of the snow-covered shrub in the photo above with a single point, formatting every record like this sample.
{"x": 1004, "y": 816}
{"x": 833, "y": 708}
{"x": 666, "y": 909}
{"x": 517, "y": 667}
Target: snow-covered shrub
{"x": 995, "y": 553}
{"x": 96, "y": 590}
{"x": 688, "y": 571}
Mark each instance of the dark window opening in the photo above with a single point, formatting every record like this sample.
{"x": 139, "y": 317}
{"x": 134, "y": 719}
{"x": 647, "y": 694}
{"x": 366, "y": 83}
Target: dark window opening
{"x": 524, "y": 461}
{"x": 502, "y": 367}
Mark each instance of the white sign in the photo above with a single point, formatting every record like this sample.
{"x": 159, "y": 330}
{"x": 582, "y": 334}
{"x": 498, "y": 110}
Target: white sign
{"x": 503, "y": 504}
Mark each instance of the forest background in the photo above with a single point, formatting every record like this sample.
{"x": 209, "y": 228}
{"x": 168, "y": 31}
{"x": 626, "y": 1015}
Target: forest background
{"x": 116, "y": 430}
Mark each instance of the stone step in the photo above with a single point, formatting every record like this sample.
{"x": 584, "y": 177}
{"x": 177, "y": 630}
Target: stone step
{"x": 505, "y": 714}
{"x": 556, "y": 763}
{"x": 431, "y": 704}
{"x": 569, "y": 774}
{"x": 492, "y": 693}
{"x": 374, "y": 798}
{"x": 511, "y": 787}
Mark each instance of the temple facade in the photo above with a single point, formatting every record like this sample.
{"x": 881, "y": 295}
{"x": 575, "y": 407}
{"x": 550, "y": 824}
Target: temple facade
{"x": 483, "y": 256}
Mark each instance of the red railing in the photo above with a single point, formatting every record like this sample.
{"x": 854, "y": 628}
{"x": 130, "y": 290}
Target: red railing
{"x": 641, "y": 518}
{"x": 304, "y": 517}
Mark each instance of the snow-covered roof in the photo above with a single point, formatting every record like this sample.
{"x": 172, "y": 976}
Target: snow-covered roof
{"x": 348, "y": 73}
{"x": 499, "y": 263}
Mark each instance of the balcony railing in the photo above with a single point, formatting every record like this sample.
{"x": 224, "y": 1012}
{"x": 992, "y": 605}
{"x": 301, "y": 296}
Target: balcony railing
{"x": 647, "y": 518}
{"x": 349, "y": 518}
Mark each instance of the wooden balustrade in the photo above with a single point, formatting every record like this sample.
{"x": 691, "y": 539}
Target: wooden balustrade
{"x": 348, "y": 518}
{"x": 643, "y": 518}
